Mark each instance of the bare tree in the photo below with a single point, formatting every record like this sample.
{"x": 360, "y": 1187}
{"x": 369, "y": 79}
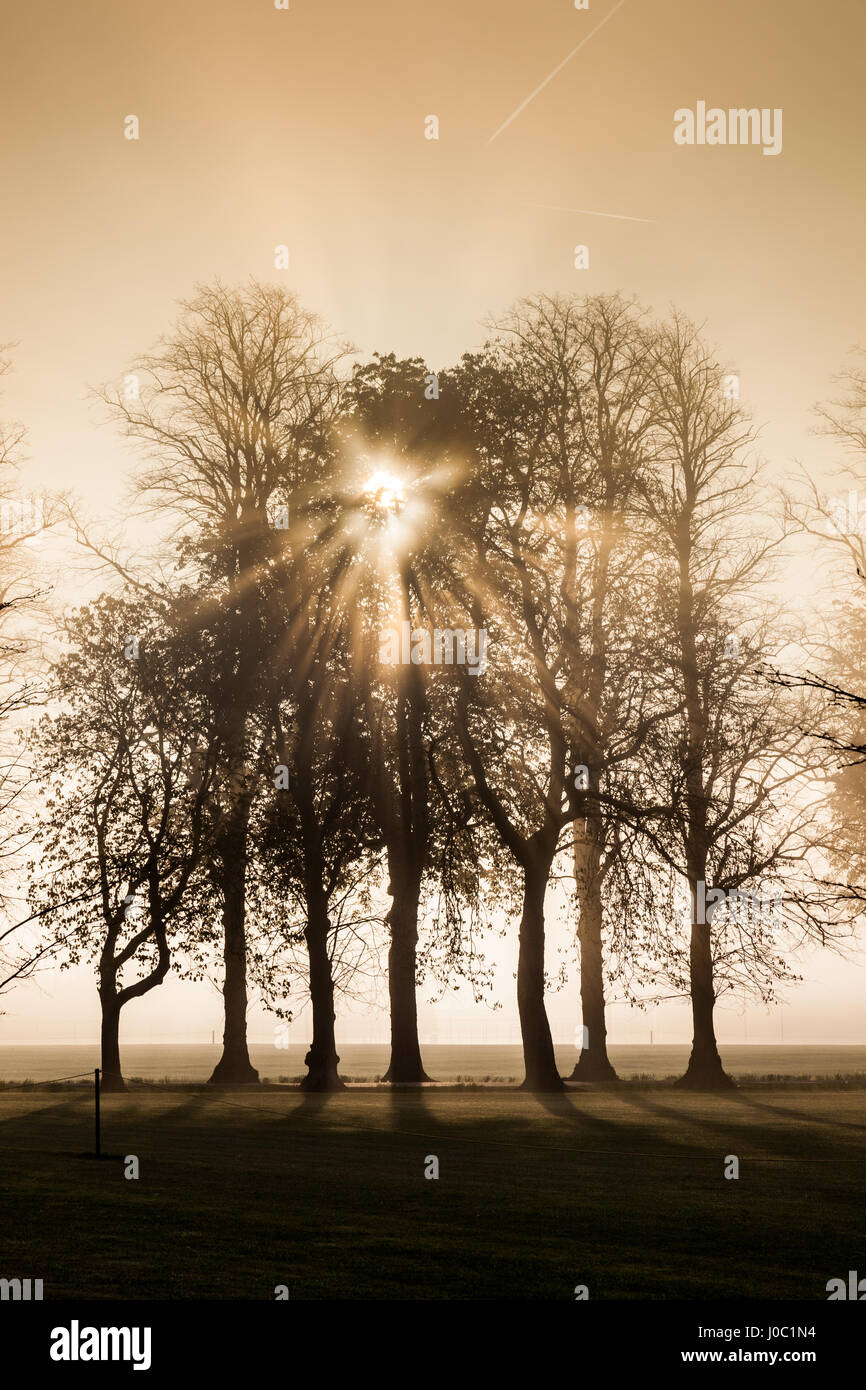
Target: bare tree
{"x": 836, "y": 524}
{"x": 124, "y": 833}
{"x": 587, "y": 361}
{"x": 235, "y": 408}
{"x": 511, "y": 720}
{"x": 728, "y": 758}
{"x": 318, "y": 839}
{"x": 403, "y": 436}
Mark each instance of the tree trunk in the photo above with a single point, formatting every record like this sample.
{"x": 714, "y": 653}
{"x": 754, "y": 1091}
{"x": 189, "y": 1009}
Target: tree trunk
{"x": 705, "y": 1071}
{"x": 234, "y": 1067}
{"x": 406, "y": 1067}
{"x": 111, "y": 1077}
{"x": 539, "y": 1061}
{"x": 321, "y": 1061}
{"x": 593, "y": 1064}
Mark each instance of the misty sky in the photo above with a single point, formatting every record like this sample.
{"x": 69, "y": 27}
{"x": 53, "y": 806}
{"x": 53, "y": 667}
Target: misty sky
{"x": 261, "y": 127}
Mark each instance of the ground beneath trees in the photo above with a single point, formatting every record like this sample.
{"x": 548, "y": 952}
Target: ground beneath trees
{"x": 621, "y": 1191}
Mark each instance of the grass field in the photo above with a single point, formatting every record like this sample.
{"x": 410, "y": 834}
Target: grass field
{"x": 445, "y": 1063}
{"x": 622, "y": 1191}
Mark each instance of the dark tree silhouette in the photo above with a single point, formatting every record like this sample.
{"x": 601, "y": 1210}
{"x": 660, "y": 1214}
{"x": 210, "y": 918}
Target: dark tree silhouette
{"x": 125, "y": 837}
{"x": 234, "y": 407}
{"x": 395, "y": 423}
{"x": 733, "y": 749}
{"x": 318, "y": 837}
{"x": 512, "y": 720}
{"x": 584, "y": 364}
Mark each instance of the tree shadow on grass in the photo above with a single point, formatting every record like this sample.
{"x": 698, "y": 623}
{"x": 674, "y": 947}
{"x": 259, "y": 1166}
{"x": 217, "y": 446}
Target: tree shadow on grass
{"x": 409, "y": 1114}
{"x": 316, "y": 1102}
{"x": 78, "y": 1100}
{"x": 601, "y": 1133}
{"x": 739, "y": 1132}
{"x": 749, "y": 1099}
{"x": 194, "y": 1104}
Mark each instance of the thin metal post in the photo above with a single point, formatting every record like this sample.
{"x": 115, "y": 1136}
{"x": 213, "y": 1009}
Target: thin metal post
{"x": 96, "y": 1102}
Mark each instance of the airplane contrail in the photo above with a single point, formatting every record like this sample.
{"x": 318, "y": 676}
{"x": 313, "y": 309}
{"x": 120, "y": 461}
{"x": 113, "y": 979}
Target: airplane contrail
{"x": 585, "y": 212}
{"x": 540, "y": 88}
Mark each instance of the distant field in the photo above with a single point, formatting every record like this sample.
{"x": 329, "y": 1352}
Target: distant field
{"x": 623, "y": 1192}
{"x": 445, "y": 1063}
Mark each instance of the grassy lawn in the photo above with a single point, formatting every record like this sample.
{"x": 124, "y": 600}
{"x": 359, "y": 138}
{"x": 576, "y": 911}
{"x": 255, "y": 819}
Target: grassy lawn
{"x": 623, "y": 1192}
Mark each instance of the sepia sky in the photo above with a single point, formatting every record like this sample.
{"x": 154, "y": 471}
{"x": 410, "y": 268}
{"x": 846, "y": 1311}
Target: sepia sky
{"x": 306, "y": 127}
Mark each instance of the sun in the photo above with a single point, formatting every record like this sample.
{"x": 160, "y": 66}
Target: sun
{"x": 384, "y": 491}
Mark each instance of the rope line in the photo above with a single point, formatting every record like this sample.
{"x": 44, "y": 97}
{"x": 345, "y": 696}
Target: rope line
{"x": 50, "y": 1081}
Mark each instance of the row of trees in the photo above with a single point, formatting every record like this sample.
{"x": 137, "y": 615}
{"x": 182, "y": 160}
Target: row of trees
{"x": 408, "y": 644}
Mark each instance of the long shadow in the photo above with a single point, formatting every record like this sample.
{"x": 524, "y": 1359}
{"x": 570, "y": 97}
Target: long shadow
{"x": 153, "y": 1128}
{"x": 596, "y": 1132}
{"x": 409, "y": 1106}
{"x": 735, "y": 1130}
{"x": 315, "y": 1102}
{"x": 566, "y": 1105}
{"x": 748, "y": 1098}
{"x": 727, "y": 1132}
{"x": 60, "y": 1107}
{"x": 193, "y": 1105}
{"x": 69, "y": 1118}
{"x": 502, "y": 1134}
{"x": 619, "y": 1131}
{"x": 559, "y": 1103}
{"x": 641, "y": 1101}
